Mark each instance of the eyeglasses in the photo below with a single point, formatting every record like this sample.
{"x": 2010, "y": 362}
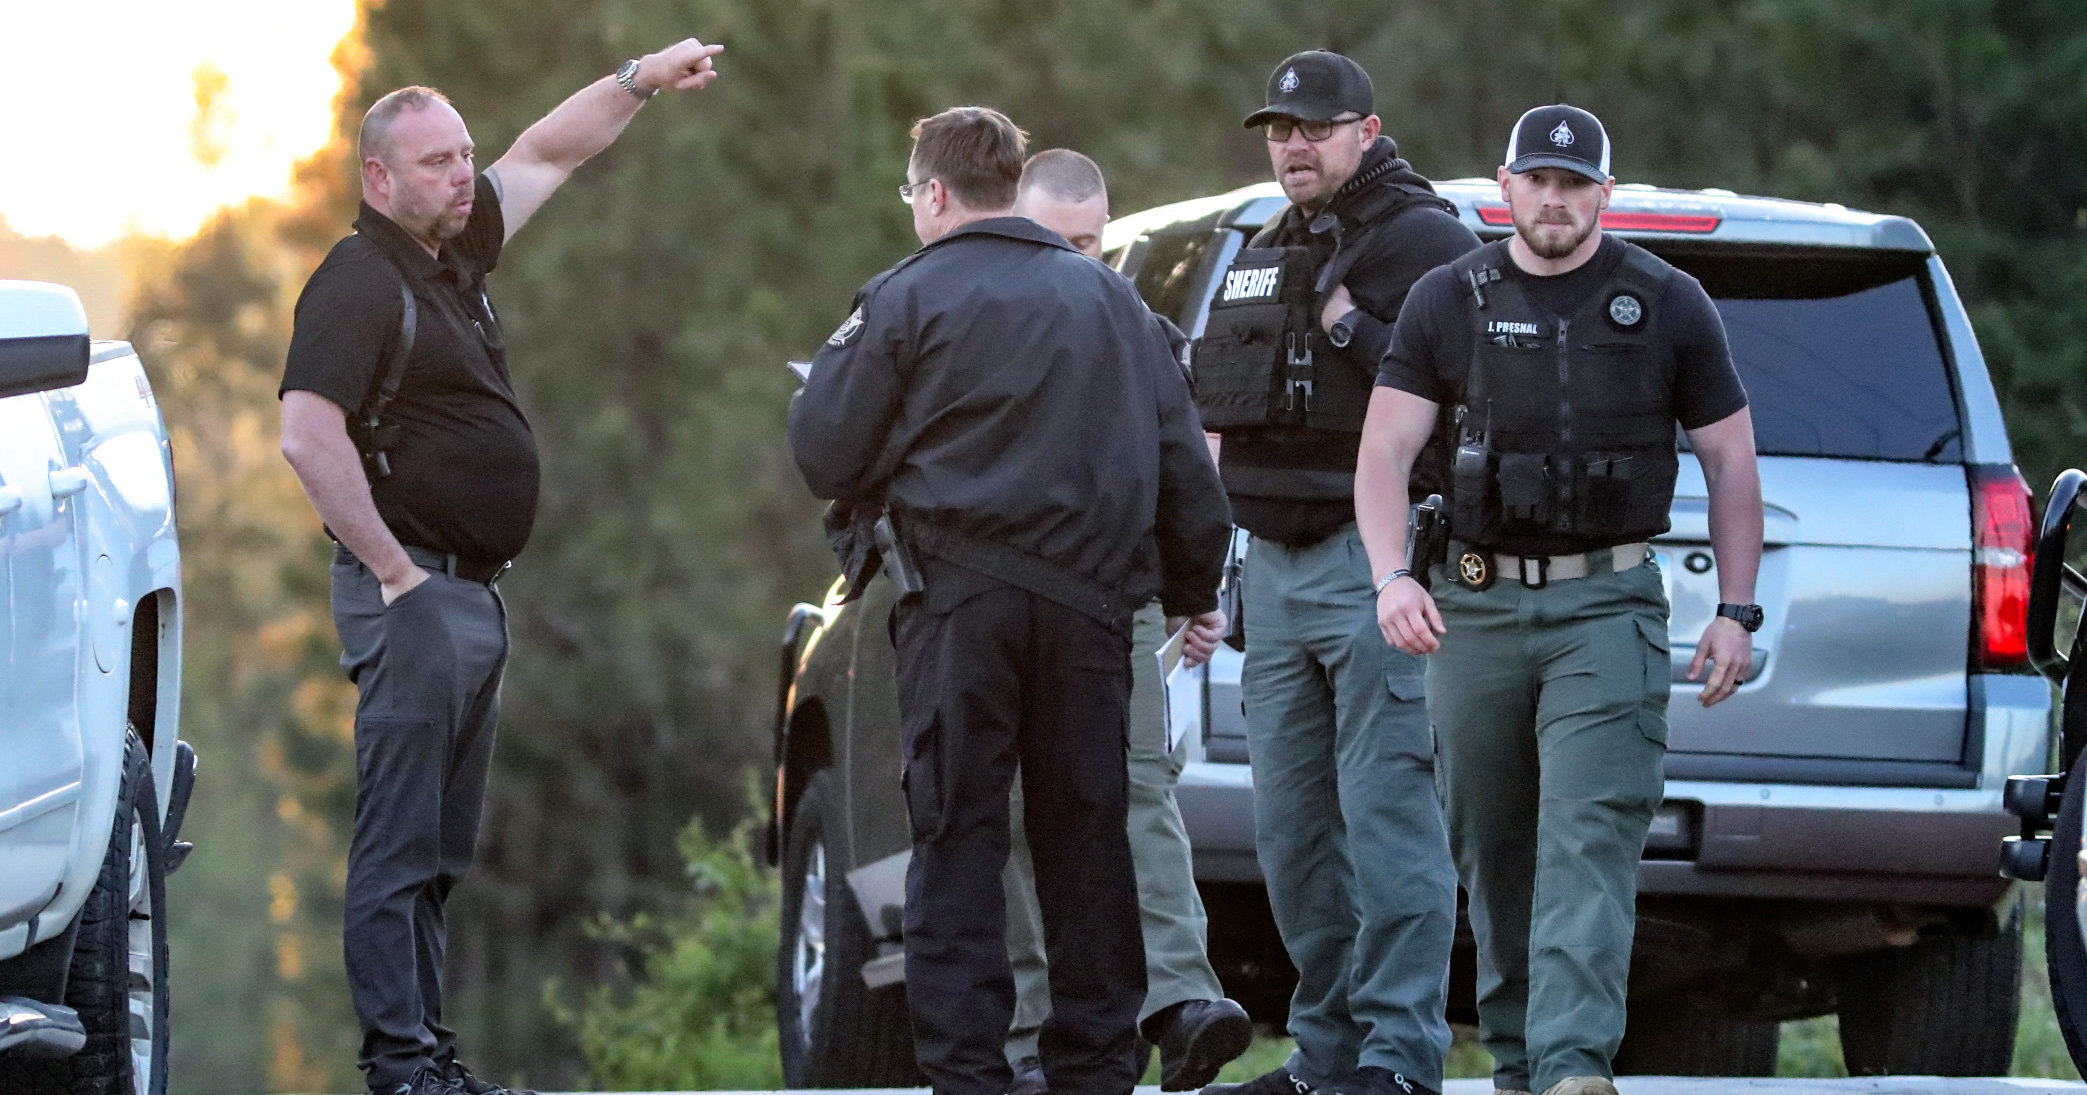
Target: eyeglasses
{"x": 911, "y": 190}
{"x": 1280, "y": 129}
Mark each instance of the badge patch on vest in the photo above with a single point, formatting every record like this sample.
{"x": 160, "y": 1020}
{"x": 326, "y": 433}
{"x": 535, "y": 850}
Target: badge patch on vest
{"x": 847, "y": 331}
{"x": 1252, "y": 284}
{"x": 1625, "y": 311}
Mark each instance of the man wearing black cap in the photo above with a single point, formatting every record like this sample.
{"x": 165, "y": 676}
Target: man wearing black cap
{"x": 1347, "y": 823}
{"x": 1569, "y": 356}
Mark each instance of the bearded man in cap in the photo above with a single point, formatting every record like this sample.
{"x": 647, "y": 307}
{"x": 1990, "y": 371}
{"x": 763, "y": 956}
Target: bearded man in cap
{"x": 1348, "y": 827}
{"x": 1546, "y": 628}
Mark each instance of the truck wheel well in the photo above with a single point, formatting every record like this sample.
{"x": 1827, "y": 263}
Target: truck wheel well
{"x": 144, "y": 666}
{"x": 810, "y": 749}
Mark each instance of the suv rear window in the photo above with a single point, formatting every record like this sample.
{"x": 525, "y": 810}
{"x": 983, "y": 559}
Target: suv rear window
{"x": 1838, "y": 351}
{"x": 1171, "y": 273}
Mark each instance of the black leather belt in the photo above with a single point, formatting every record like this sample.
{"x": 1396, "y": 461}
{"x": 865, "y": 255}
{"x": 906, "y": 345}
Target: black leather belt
{"x": 456, "y": 566}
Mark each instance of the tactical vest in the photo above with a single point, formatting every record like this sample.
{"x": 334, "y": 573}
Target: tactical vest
{"x": 1566, "y": 428}
{"x": 1263, "y": 358}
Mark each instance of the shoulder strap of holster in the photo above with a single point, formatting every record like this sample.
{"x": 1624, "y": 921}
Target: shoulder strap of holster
{"x": 392, "y": 370}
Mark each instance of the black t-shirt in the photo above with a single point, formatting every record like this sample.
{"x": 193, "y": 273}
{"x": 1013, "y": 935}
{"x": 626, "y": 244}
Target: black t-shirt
{"x": 1432, "y": 344}
{"x": 1434, "y": 340}
{"x": 464, "y": 469}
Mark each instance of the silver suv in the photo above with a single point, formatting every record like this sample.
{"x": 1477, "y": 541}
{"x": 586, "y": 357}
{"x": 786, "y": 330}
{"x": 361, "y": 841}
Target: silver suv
{"x": 1828, "y": 837}
{"x": 93, "y": 781}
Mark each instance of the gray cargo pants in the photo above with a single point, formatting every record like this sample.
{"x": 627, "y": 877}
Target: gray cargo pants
{"x": 427, "y": 669}
{"x": 1550, "y": 707}
{"x": 1347, "y": 819}
{"x": 1170, "y": 911}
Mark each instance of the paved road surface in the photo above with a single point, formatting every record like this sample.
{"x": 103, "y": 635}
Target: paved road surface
{"x": 1662, "y": 1085}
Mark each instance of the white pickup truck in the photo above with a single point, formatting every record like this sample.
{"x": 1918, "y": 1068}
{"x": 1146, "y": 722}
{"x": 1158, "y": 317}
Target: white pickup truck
{"x": 93, "y": 780}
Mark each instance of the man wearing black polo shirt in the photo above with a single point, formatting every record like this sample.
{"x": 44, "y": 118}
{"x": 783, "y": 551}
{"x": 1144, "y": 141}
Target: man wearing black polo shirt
{"x": 427, "y": 503}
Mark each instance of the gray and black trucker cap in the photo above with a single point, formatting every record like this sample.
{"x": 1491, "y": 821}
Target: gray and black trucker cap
{"x": 1559, "y": 136}
{"x": 1316, "y": 86}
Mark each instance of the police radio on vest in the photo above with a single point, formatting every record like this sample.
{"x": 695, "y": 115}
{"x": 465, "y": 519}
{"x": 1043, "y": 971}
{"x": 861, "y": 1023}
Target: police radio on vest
{"x": 1249, "y": 284}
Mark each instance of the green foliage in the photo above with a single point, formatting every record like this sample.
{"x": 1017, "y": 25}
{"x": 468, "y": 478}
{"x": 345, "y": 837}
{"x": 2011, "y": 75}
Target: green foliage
{"x": 694, "y": 1008}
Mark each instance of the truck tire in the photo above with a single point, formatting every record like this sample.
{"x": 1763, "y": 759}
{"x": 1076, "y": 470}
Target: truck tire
{"x": 833, "y": 1030}
{"x": 2064, "y": 951}
{"x": 1945, "y": 1006}
{"x": 118, "y": 979}
{"x": 1669, "y": 1037}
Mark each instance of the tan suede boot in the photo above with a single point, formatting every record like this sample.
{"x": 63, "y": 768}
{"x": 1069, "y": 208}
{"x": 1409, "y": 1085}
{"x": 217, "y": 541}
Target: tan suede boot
{"x": 1582, "y": 1085}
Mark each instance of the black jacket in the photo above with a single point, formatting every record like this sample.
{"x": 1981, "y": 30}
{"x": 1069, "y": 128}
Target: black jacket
{"x": 1420, "y": 234}
{"x": 1017, "y": 406}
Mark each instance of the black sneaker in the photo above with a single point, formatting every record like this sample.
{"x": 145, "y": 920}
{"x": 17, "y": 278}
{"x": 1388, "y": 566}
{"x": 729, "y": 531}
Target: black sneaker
{"x": 1029, "y": 1077}
{"x": 462, "y": 1077}
{"x": 1202, "y": 1037}
{"x": 1279, "y": 1081}
{"x": 1371, "y": 1080}
{"x": 426, "y": 1080}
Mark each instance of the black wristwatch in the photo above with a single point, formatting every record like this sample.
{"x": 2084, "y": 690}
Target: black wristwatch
{"x": 1749, "y": 616}
{"x": 1342, "y": 331}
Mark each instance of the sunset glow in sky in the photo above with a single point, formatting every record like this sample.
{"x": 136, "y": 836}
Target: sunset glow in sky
{"x": 99, "y": 128}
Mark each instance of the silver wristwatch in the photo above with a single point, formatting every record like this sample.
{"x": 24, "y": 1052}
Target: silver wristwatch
{"x": 627, "y": 76}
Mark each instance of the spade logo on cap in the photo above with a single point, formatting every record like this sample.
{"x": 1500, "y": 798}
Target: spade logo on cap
{"x": 1562, "y": 136}
{"x": 1289, "y": 82}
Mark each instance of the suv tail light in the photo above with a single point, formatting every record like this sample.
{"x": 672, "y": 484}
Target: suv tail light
{"x": 2003, "y": 529}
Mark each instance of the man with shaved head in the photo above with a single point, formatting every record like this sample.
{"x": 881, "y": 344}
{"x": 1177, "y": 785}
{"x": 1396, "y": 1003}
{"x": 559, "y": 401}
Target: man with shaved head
{"x": 1185, "y": 1012}
{"x": 402, "y": 424}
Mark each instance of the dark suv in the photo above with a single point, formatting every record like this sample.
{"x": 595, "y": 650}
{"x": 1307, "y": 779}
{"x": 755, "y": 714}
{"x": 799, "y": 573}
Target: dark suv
{"x": 1827, "y": 840}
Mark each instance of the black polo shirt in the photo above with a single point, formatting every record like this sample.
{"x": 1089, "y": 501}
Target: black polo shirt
{"x": 464, "y": 470}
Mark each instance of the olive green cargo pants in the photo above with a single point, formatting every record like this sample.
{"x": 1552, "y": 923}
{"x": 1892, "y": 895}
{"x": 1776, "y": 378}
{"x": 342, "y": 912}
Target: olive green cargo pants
{"x": 1550, "y": 712}
{"x": 1348, "y": 824}
{"x": 1170, "y": 912}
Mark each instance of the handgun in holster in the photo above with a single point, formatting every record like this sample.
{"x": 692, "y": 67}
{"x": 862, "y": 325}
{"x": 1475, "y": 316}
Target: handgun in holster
{"x": 1231, "y": 596}
{"x": 898, "y": 559}
{"x": 1427, "y": 537}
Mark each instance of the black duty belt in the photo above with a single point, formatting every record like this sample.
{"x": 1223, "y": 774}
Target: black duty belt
{"x": 482, "y": 571}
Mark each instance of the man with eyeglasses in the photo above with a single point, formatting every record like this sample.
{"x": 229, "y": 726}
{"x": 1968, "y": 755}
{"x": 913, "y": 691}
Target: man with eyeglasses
{"x": 1016, "y": 411}
{"x": 1347, "y": 823}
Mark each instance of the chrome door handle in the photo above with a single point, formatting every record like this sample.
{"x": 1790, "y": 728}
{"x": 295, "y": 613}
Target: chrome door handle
{"x": 66, "y": 482}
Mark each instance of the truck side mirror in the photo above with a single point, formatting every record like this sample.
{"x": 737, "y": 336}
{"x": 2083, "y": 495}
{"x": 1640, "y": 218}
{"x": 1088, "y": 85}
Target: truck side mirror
{"x": 43, "y": 338}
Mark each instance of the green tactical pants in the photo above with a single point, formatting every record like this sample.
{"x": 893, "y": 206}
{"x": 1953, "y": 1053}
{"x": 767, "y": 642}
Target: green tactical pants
{"x": 1170, "y": 912}
{"x": 1550, "y": 711}
{"x": 1348, "y": 823}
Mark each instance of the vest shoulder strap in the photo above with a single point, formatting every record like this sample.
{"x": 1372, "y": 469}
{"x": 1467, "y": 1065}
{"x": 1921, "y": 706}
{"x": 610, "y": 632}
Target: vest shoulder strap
{"x": 1396, "y": 200}
{"x": 1643, "y": 271}
{"x": 1477, "y": 269}
{"x": 391, "y": 372}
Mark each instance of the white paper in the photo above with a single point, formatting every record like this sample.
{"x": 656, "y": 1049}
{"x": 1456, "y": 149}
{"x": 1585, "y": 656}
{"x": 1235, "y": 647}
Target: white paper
{"x": 1176, "y": 679}
{"x": 803, "y": 369}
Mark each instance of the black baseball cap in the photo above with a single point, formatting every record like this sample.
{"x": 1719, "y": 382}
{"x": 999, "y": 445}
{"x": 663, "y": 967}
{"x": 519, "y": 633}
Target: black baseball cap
{"x": 1316, "y": 86}
{"x": 1559, "y": 136}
